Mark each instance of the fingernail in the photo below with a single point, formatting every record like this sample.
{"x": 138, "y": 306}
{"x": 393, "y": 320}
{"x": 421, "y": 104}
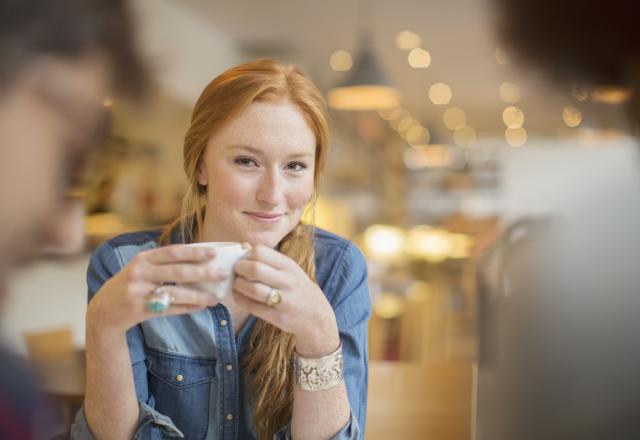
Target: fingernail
{"x": 246, "y": 245}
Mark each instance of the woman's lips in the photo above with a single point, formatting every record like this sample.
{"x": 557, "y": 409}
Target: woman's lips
{"x": 264, "y": 217}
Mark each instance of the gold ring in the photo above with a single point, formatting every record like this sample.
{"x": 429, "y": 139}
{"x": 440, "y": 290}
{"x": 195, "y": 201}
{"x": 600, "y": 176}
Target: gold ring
{"x": 274, "y": 298}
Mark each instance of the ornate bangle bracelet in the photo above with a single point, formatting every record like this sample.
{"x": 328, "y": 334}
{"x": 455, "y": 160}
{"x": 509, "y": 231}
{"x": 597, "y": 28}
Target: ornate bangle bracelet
{"x": 319, "y": 374}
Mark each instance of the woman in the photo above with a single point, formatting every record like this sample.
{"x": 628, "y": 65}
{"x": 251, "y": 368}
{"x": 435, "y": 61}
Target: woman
{"x": 203, "y": 370}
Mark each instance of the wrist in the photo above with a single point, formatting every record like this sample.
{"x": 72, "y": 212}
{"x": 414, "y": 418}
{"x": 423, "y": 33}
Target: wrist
{"x": 97, "y": 330}
{"x": 319, "y": 341}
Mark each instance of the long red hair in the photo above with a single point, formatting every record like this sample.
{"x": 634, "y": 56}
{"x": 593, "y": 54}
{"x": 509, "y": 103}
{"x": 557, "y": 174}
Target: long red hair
{"x": 270, "y": 351}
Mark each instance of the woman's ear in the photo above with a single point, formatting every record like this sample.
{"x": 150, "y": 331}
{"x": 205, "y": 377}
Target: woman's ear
{"x": 201, "y": 173}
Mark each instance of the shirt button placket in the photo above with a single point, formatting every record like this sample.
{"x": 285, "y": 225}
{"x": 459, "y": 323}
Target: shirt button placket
{"x": 230, "y": 386}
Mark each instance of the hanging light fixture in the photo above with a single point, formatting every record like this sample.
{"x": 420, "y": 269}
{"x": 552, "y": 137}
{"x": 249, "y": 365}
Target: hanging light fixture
{"x": 367, "y": 87}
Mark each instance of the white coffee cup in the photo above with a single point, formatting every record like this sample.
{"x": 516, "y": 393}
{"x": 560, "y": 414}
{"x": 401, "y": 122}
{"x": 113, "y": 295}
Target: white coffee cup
{"x": 227, "y": 254}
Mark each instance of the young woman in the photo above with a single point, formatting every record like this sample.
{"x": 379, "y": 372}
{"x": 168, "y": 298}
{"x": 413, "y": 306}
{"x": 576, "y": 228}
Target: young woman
{"x": 286, "y": 355}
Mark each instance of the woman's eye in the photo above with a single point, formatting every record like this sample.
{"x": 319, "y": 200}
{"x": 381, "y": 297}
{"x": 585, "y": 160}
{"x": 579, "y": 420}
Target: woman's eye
{"x": 296, "y": 166}
{"x": 245, "y": 162}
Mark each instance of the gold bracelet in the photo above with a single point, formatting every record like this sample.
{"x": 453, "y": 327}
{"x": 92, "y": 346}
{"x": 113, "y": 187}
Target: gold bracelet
{"x": 319, "y": 374}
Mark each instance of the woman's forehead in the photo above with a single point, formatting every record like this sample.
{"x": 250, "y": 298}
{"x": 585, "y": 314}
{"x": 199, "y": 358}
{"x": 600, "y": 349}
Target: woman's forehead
{"x": 269, "y": 125}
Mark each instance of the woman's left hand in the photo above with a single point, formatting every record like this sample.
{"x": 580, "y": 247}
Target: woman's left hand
{"x": 303, "y": 310}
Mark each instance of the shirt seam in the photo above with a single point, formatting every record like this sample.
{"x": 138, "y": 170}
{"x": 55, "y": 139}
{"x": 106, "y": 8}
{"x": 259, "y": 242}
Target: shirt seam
{"x": 334, "y": 273}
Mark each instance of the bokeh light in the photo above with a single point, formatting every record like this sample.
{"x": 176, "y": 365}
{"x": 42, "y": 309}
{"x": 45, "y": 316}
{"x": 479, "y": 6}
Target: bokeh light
{"x": 440, "y": 93}
{"x": 464, "y": 136}
{"x": 454, "y": 118}
{"x": 515, "y": 137}
{"x": 408, "y": 40}
{"x": 341, "y": 61}
{"x": 513, "y": 117}
{"x": 419, "y": 58}
{"x": 571, "y": 116}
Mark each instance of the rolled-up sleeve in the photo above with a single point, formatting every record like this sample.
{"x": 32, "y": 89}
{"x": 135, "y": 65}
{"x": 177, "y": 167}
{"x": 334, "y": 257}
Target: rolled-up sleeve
{"x": 152, "y": 425}
{"x": 349, "y": 431}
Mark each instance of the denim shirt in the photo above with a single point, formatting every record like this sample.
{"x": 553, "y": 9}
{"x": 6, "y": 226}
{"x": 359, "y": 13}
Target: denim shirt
{"x": 187, "y": 368}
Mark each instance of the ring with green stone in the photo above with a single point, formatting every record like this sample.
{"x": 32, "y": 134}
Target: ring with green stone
{"x": 159, "y": 300}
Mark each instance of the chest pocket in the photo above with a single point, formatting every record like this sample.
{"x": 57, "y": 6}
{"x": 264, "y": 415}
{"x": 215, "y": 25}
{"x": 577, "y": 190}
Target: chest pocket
{"x": 181, "y": 386}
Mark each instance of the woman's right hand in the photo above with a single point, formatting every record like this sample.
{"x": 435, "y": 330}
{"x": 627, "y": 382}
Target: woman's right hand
{"x": 121, "y": 301}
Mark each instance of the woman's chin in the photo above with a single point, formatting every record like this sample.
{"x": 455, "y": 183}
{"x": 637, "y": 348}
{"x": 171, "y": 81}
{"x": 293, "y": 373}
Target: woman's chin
{"x": 265, "y": 239}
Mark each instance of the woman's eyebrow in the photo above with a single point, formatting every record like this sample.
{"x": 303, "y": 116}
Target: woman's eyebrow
{"x": 257, "y": 151}
{"x": 248, "y": 148}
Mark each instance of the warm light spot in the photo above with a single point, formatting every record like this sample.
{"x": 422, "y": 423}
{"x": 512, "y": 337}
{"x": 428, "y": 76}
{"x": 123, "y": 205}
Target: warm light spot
{"x": 610, "y": 94}
{"x": 571, "y": 116}
{"x": 416, "y": 135}
{"x": 341, "y": 61}
{"x": 513, "y": 117}
{"x": 419, "y": 58}
{"x": 425, "y": 138}
{"x": 369, "y": 97}
{"x": 107, "y": 102}
{"x": 391, "y": 114}
{"x": 464, "y": 136}
{"x": 427, "y": 156}
{"x": 510, "y": 92}
{"x": 395, "y": 122}
{"x": 516, "y": 137}
{"x": 440, "y": 94}
{"x": 461, "y": 246}
{"x": 431, "y": 244}
{"x": 454, "y": 118}
{"x": 501, "y": 57}
{"x": 406, "y": 124}
{"x": 384, "y": 242}
{"x": 408, "y": 40}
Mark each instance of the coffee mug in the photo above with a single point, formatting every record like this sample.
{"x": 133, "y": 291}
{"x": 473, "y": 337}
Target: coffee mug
{"x": 227, "y": 253}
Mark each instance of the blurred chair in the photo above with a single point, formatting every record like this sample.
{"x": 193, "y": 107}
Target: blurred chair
{"x": 50, "y": 345}
{"x": 419, "y": 401}
{"x": 60, "y": 367}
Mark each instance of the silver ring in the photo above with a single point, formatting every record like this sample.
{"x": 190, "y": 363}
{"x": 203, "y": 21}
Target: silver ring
{"x": 275, "y": 296}
{"x": 158, "y": 300}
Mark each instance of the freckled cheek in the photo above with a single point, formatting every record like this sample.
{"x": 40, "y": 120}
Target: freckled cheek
{"x": 300, "y": 193}
{"x": 232, "y": 191}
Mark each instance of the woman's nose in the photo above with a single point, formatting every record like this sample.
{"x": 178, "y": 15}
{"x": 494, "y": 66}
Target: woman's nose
{"x": 270, "y": 189}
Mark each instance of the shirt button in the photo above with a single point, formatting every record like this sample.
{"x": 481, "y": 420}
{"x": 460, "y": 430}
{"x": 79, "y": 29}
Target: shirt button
{"x": 179, "y": 377}
{"x": 229, "y": 416}
{"x": 223, "y": 322}
{"x": 229, "y": 367}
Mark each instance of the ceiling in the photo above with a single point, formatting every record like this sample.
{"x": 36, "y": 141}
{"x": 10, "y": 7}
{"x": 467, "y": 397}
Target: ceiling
{"x": 458, "y": 34}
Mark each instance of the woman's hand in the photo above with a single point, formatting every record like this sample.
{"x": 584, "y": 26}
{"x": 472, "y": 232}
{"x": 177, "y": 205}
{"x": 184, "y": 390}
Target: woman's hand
{"x": 303, "y": 310}
{"x": 121, "y": 301}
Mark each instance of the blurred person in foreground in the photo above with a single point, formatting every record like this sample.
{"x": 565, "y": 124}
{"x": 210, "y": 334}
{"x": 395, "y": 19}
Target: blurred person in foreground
{"x": 560, "y": 344}
{"x": 58, "y": 61}
{"x": 285, "y": 354}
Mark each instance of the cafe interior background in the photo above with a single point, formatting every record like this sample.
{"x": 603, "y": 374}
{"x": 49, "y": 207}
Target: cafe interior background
{"x": 426, "y": 165}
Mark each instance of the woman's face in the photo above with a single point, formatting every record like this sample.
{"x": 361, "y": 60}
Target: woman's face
{"x": 259, "y": 171}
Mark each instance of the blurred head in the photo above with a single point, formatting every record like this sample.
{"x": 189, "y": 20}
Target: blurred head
{"x": 577, "y": 42}
{"x": 254, "y": 153}
{"x": 58, "y": 61}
